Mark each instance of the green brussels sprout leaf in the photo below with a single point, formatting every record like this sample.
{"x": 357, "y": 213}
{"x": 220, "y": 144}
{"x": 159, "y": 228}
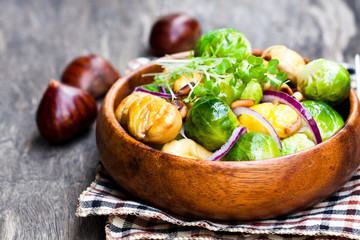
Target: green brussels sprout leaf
{"x": 253, "y": 90}
{"x": 324, "y": 80}
{"x": 253, "y": 146}
{"x": 296, "y": 143}
{"x": 224, "y": 42}
{"x": 210, "y": 122}
{"x": 328, "y": 120}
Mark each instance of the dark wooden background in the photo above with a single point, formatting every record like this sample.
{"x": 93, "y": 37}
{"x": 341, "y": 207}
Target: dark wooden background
{"x": 40, "y": 183}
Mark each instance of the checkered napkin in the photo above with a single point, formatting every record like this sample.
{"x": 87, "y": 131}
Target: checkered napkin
{"x": 337, "y": 216}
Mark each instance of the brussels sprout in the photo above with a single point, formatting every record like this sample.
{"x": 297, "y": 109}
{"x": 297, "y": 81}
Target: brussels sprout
{"x": 324, "y": 80}
{"x": 253, "y": 91}
{"x": 252, "y": 146}
{"x": 224, "y": 42}
{"x": 210, "y": 122}
{"x": 230, "y": 93}
{"x": 296, "y": 143}
{"x": 327, "y": 119}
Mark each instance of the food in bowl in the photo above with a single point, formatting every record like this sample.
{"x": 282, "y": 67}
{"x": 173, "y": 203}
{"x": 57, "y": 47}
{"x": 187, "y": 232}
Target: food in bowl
{"x": 223, "y": 87}
{"x": 227, "y": 190}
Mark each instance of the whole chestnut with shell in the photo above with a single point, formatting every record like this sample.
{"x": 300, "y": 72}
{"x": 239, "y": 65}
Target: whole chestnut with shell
{"x": 174, "y": 33}
{"x": 64, "y": 112}
{"x": 91, "y": 73}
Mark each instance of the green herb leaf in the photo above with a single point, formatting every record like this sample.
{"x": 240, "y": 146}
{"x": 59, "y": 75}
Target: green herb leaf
{"x": 223, "y": 66}
{"x": 208, "y": 84}
{"x": 272, "y": 66}
{"x": 216, "y": 90}
{"x": 232, "y": 82}
{"x": 282, "y": 76}
{"x": 255, "y": 61}
{"x": 199, "y": 91}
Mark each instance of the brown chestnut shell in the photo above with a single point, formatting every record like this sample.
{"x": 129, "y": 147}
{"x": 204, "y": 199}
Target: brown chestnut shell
{"x": 174, "y": 33}
{"x": 91, "y": 73}
{"x": 64, "y": 112}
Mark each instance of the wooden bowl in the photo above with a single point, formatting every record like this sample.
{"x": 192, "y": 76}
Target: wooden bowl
{"x": 238, "y": 191}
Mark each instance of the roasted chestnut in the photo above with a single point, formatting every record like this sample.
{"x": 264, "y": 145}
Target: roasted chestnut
{"x": 91, "y": 73}
{"x": 186, "y": 148}
{"x": 64, "y": 111}
{"x": 149, "y": 118}
{"x": 174, "y": 33}
{"x": 289, "y": 60}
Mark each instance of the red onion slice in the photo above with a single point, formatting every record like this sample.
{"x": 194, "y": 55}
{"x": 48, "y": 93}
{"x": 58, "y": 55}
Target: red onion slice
{"x": 270, "y": 96}
{"x": 161, "y": 89}
{"x": 163, "y": 95}
{"x": 228, "y": 145}
{"x": 244, "y": 110}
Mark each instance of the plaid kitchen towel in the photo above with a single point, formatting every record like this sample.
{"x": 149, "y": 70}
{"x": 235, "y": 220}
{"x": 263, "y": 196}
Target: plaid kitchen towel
{"x": 129, "y": 218}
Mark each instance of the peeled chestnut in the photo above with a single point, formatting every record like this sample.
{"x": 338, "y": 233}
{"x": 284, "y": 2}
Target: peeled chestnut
{"x": 64, "y": 112}
{"x": 174, "y": 33}
{"x": 91, "y": 73}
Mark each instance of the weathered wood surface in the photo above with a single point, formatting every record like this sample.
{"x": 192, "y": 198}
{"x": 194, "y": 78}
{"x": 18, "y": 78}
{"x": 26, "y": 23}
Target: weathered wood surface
{"x": 40, "y": 183}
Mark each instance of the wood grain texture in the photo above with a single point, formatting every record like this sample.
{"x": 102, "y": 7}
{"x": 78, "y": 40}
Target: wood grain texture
{"x": 40, "y": 183}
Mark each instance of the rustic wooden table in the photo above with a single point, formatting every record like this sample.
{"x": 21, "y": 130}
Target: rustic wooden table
{"x": 40, "y": 183}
